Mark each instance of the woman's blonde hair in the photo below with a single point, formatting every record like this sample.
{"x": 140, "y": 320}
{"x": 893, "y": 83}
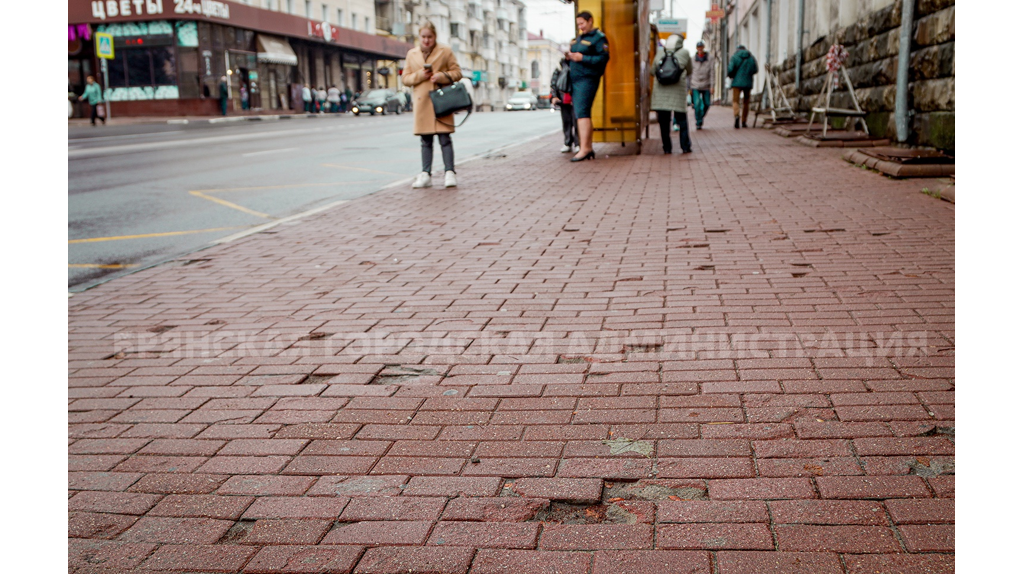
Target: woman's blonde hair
{"x": 429, "y": 25}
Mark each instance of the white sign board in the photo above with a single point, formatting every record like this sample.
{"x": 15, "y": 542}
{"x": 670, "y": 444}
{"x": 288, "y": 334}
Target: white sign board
{"x": 672, "y": 25}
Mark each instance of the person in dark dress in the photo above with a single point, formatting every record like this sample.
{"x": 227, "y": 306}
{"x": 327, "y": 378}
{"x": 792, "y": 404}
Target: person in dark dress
{"x": 588, "y": 58}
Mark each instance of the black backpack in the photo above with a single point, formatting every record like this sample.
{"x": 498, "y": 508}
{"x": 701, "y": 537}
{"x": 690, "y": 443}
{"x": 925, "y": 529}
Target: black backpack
{"x": 669, "y": 71}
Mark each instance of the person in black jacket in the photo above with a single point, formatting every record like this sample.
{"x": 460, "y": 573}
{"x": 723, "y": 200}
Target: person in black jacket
{"x": 588, "y": 58}
{"x": 564, "y": 101}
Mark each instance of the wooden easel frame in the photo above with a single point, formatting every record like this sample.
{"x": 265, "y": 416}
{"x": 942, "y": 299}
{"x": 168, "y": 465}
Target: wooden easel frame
{"x": 823, "y": 105}
{"x": 779, "y": 106}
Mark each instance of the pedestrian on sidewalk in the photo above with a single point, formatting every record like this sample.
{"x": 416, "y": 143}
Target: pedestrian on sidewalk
{"x": 334, "y": 99}
{"x": 668, "y": 98}
{"x": 222, "y": 94}
{"x": 563, "y": 100}
{"x": 588, "y": 57}
{"x": 307, "y": 99}
{"x": 742, "y": 68}
{"x": 243, "y": 94}
{"x": 348, "y": 98}
{"x": 94, "y": 95}
{"x": 321, "y": 99}
{"x": 700, "y": 84}
{"x": 427, "y": 67}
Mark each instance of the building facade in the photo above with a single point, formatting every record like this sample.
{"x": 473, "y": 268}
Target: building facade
{"x": 870, "y": 32}
{"x": 169, "y": 55}
{"x": 544, "y": 56}
{"x": 488, "y": 37}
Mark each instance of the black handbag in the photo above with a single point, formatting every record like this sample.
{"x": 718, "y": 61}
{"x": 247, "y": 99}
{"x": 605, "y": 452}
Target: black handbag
{"x": 450, "y": 99}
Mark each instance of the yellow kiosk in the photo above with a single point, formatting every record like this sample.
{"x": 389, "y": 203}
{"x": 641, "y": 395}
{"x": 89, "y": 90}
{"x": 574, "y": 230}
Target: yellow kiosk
{"x": 622, "y": 107}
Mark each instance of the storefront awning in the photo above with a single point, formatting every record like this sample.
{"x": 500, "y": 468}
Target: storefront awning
{"x": 274, "y": 50}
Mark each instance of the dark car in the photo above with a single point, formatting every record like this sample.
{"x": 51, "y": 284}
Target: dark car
{"x": 377, "y": 102}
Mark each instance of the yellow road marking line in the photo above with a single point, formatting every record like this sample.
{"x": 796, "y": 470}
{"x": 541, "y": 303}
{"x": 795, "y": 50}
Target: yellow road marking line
{"x": 289, "y": 185}
{"x": 102, "y": 265}
{"x": 360, "y": 169}
{"x": 148, "y": 235}
{"x": 226, "y": 203}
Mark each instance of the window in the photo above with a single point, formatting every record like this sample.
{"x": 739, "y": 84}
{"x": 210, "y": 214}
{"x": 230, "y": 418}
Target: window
{"x": 291, "y": 6}
{"x": 341, "y": 18}
{"x": 309, "y": 9}
{"x": 355, "y": 22}
{"x": 535, "y": 69}
{"x": 368, "y": 31}
{"x": 143, "y": 67}
{"x": 323, "y": 13}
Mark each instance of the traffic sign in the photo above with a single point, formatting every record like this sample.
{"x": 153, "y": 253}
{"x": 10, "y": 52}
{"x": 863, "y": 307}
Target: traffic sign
{"x": 104, "y": 45}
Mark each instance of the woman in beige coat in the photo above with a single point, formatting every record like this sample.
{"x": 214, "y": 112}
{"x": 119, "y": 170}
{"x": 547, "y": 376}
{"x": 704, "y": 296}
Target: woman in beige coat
{"x": 427, "y": 67}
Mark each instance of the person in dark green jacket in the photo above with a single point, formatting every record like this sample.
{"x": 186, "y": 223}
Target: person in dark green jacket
{"x": 588, "y": 58}
{"x": 742, "y": 68}
{"x": 94, "y": 96}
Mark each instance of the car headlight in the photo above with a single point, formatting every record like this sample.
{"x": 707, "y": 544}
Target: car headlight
{"x": 527, "y": 105}
{"x": 355, "y": 109}
{"x": 508, "y": 107}
{"x": 379, "y": 108}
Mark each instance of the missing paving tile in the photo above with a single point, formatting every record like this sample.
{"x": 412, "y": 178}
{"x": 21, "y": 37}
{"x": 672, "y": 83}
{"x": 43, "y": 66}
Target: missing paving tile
{"x": 643, "y": 348}
{"x": 799, "y": 274}
{"x": 563, "y": 360}
{"x": 317, "y": 379}
{"x": 717, "y": 230}
{"x": 705, "y": 268}
{"x": 829, "y": 230}
{"x": 623, "y": 445}
{"x": 396, "y": 375}
{"x": 926, "y": 467}
{"x": 653, "y": 490}
{"x": 237, "y": 532}
{"x": 315, "y": 336}
{"x": 570, "y": 513}
{"x": 160, "y": 329}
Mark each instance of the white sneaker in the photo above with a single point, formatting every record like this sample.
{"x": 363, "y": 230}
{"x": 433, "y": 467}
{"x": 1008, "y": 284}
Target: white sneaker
{"x": 422, "y": 180}
{"x": 566, "y": 148}
{"x": 449, "y": 179}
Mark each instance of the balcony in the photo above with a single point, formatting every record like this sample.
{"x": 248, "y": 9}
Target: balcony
{"x": 501, "y": 14}
{"x": 488, "y": 54}
{"x": 438, "y": 9}
{"x": 488, "y": 5}
{"x": 474, "y": 24}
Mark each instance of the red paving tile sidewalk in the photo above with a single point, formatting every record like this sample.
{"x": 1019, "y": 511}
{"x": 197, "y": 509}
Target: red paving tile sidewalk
{"x": 735, "y": 361}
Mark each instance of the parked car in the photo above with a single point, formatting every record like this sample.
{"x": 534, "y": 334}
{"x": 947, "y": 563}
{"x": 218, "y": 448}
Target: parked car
{"x": 377, "y": 102}
{"x": 522, "y": 101}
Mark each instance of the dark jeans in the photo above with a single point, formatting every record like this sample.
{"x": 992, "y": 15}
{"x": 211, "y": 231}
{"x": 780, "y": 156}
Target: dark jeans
{"x": 93, "y": 115}
{"x": 569, "y": 125}
{"x": 701, "y": 103}
{"x": 427, "y": 151}
{"x": 223, "y": 106}
{"x": 665, "y": 123}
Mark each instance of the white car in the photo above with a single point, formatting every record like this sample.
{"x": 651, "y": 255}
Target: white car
{"x": 522, "y": 101}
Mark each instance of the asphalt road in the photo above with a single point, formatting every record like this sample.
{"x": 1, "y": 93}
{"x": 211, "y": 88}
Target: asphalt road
{"x": 139, "y": 195}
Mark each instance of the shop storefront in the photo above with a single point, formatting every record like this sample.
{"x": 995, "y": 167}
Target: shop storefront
{"x": 170, "y": 55}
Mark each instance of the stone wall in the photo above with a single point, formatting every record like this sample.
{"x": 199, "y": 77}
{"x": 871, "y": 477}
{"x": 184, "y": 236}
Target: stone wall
{"x": 873, "y": 44}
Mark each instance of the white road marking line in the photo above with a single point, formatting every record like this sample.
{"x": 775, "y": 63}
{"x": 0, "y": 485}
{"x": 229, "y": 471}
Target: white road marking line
{"x": 252, "y": 153}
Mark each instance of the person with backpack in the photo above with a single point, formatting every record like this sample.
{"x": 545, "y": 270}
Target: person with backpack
{"x": 742, "y": 68}
{"x": 671, "y": 68}
{"x": 564, "y": 101}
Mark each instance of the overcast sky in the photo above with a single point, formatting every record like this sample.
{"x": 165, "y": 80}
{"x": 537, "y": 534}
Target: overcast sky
{"x": 558, "y": 22}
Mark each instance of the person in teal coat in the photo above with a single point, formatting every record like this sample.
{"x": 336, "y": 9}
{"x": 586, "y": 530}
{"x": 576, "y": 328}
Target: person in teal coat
{"x": 94, "y": 96}
{"x": 587, "y": 58}
{"x": 742, "y": 68}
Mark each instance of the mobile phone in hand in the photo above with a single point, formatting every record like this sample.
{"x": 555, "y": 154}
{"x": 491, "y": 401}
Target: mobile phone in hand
{"x": 428, "y": 67}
